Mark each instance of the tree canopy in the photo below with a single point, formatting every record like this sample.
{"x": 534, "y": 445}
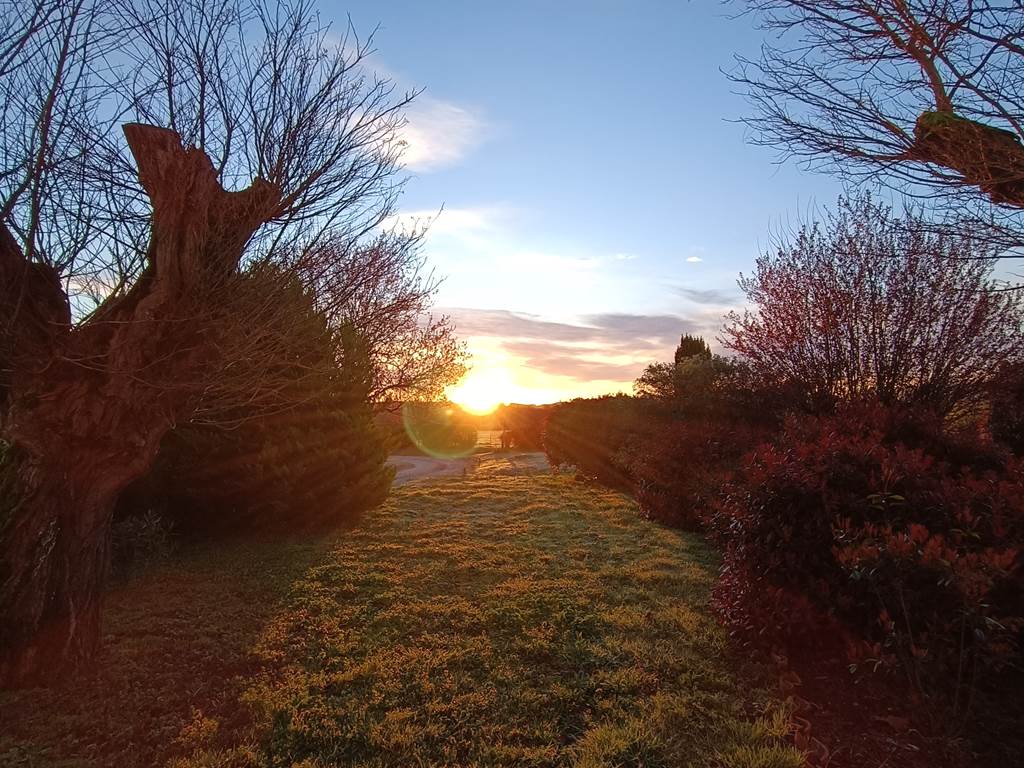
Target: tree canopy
{"x": 868, "y": 304}
{"x": 925, "y": 96}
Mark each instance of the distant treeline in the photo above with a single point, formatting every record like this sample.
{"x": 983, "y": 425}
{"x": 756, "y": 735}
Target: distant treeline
{"x": 451, "y": 426}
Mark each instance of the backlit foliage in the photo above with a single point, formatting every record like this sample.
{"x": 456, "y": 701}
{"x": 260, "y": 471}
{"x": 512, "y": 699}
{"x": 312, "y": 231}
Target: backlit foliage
{"x": 868, "y": 304}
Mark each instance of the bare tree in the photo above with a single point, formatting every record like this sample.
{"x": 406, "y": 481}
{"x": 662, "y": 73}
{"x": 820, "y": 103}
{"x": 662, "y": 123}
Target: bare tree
{"x": 263, "y": 88}
{"x": 323, "y": 128}
{"x": 382, "y": 289}
{"x": 121, "y": 254}
{"x": 868, "y": 305}
{"x": 926, "y": 95}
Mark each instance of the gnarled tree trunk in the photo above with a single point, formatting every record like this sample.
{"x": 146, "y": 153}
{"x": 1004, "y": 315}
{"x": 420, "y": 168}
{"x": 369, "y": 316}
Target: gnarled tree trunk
{"x": 84, "y": 407}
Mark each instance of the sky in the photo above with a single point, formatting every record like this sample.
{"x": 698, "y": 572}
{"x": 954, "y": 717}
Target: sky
{"x": 597, "y": 198}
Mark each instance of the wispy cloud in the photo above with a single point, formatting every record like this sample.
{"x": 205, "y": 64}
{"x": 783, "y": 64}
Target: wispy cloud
{"x": 438, "y": 134}
{"x": 556, "y": 344}
{"x": 618, "y": 331}
{"x": 560, "y": 360}
{"x": 634, "y": 327}
{"x": 453, "y": 222}
{"x": 710, "y": 296}
{"x": 486, "y": 261}
{"x": 694, "y": 259}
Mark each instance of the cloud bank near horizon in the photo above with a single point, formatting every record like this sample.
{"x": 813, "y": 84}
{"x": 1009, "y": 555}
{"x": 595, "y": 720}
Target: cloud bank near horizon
{"x": 599, "y": 352}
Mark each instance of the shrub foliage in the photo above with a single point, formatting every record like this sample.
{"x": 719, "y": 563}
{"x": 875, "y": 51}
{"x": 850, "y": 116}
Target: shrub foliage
{"x": 881, "y": 532}
{"x": 678, "y": 468}
{"x": 316, "y": 463}
{"x": 591, "y": 434}
{"x": 525, "y": 423}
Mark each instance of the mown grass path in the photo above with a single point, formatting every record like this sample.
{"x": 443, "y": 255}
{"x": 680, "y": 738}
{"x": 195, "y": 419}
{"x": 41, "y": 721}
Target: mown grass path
{"x": 482, "y": 621}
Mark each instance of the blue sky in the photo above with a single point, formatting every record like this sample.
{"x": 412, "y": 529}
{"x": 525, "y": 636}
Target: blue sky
{"x": 597, "y": 199}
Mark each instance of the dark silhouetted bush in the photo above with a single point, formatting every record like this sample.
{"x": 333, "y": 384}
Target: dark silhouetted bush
{"x": 678, "y": 468}
{"x": 139, "y": 541}
{"x": 670, "y": 447}
{"x": 591, "y": 435}
{"x": 1006, "y": 411}
{"x": 306, "y": 469}
{"x": 316, "y": 463}
{"x": 526, "y": 423}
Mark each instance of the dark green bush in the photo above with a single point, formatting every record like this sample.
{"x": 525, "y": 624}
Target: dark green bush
{"x": 315, "y": 460}
{"x": 306, "y": 469}
{"x": 525, "y": 423}
{"x": 677, "y": 469}
{"x": 674, "y": 444}
{"x": 591, "y": 435}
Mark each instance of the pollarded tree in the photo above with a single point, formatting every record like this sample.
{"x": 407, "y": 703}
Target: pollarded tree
{"x": 867, "y": 305}
{"x": 122, "y": 255}
{"x": 914, "y": 92}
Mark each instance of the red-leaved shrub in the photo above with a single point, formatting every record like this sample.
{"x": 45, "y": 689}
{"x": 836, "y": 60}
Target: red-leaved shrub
{"x": 881, "y": 533}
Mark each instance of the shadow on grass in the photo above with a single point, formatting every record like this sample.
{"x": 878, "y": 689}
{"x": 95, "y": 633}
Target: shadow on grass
{"x": 177, "y": 652}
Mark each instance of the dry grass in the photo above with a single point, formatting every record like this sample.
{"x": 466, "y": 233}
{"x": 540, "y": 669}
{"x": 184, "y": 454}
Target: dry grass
{"x": 488, "y": 621}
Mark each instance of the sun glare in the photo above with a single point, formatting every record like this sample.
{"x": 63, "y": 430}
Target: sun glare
{"x": 482, "y": 390}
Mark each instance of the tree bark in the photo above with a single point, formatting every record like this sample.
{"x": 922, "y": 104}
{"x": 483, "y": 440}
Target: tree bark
{"x": 83, "y": 408}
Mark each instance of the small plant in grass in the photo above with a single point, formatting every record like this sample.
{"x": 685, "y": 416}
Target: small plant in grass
{"x": 140, "y": 541}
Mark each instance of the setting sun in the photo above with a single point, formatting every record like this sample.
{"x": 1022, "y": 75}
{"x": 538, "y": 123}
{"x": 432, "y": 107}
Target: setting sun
{"x": 482, "y": 390}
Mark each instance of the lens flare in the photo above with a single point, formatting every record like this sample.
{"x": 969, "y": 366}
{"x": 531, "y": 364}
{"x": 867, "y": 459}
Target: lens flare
{"x": 439, "y": 429}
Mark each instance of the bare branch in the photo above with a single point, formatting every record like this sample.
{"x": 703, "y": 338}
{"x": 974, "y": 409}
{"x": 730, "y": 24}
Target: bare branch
{"x": 926, "y": 96}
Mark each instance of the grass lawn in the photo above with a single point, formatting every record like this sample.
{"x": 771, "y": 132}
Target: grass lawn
{"x": 482, "y": 621}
